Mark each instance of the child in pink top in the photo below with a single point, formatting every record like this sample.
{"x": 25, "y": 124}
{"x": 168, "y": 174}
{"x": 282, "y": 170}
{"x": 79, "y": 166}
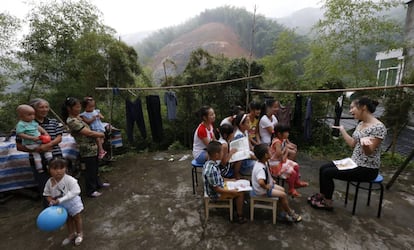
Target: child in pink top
{"x": 279, "y": 163}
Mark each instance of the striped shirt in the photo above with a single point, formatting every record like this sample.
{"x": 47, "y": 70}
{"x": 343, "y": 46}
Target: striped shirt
{"x": 54, "y": 129}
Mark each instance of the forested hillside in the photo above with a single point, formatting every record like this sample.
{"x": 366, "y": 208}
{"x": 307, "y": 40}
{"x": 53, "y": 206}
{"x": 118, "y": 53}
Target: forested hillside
{"x": 240, "y": 20}
{"x": 215, "y": 38}
{"x": 176, "y": 43}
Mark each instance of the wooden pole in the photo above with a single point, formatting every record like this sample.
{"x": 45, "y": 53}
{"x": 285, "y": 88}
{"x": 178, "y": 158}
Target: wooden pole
{"x": 250, "y": 60}
{"x": 331, "y": 90}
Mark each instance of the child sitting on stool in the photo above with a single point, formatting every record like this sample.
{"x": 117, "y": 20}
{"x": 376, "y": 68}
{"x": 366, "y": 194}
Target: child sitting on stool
{"x": 264, "y": 185}
{"x": 214, "y": 182}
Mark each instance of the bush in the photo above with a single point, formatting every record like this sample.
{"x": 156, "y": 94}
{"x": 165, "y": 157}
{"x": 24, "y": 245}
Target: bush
{"x": 394, "y": 160}
{"x": 176, "y": 145}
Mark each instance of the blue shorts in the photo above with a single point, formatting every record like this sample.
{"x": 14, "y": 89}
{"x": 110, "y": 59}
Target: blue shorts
{"x": 269, "y": 192}
{"x": 247, "y": 167}
{"x": 202, "y": 158}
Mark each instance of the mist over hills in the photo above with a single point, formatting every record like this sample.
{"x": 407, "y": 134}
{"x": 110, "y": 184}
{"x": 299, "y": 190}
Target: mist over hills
{"x": 136, "y": 37}
{"x": 302, "y": 20}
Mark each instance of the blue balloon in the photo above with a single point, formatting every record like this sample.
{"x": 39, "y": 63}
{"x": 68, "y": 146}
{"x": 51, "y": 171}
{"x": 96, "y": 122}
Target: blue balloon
{"x": 52, "y": 218}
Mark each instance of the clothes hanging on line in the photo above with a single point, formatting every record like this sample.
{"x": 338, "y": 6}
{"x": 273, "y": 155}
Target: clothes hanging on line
{"x": 308, "y": 116}
{"x": 297, "y": 115}
{"x": 338, "y": 113}
{"x": 134, "y": 115}
{"x": 154, "y": 114}
{"x": 170, "y": 100}
{"x": 284, "y": 114}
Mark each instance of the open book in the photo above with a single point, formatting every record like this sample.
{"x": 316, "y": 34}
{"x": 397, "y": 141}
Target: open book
{"x": 243, "y": 149}
{"x": 344, "y": 164}
{"x": 240, "y": 185}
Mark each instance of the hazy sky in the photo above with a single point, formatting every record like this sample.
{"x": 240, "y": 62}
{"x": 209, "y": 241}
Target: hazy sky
{"x": 128, "y": 16}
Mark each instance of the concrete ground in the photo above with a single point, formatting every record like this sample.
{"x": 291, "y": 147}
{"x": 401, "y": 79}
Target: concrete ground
{"x": 150, "y": 205}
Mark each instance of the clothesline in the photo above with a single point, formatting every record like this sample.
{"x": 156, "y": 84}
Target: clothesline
{"x": 330, "y": 90}
{"x": 183, "y": 86}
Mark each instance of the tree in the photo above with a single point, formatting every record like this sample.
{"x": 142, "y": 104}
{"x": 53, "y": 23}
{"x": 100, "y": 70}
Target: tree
{"x": 284, "y": 67}
{"x": 54, "y": 29}
{"x": 349, "y": 27}
{"x": 320, "y": 66}
{"x": 70, "y": 51}
{"x": 9, "y": 25}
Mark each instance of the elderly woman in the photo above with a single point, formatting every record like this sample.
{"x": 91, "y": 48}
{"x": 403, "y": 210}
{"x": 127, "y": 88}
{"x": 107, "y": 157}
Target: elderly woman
{"x": 86, "y": 140}
{"x": 54, "y": 129}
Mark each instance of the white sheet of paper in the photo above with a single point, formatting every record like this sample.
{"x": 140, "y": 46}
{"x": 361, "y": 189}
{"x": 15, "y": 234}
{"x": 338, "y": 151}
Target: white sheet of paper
{"x": 240, "y": 185}
{"x": 344, "y": 164}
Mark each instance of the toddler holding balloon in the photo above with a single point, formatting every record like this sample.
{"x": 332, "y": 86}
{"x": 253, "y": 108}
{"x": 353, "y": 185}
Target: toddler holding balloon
{"x": 63, "y": 190}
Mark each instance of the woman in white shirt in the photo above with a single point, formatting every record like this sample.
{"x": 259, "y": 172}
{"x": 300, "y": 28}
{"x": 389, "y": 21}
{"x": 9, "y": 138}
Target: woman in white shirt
{"x": 268, "y": 121}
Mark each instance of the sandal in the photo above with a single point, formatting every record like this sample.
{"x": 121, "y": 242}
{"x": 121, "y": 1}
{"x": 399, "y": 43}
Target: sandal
{"x": 68, "y": 240}
{"x": 289, "y": 218}
{"x": 102, "y": 154}
{"x": 294, "y": 193}
{"x": 78, "y": 239}
{"x": 294, "y": 217}
{"x": 241, "y": 219}
{"x": 321, "y": 204}
{"x": 301, "y": 184}
{"x": 315, "y": 197}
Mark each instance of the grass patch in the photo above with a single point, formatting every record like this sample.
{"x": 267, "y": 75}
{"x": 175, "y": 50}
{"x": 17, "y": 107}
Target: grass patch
{"x": 394, "y": 161}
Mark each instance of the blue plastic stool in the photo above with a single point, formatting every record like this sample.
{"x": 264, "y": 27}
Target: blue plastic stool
{"x": 194, "y": 166}
{"x": 378, "y": 181}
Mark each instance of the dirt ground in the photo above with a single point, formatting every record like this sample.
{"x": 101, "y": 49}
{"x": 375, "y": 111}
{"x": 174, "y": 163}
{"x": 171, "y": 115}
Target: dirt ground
{"x": 150, "y": 205}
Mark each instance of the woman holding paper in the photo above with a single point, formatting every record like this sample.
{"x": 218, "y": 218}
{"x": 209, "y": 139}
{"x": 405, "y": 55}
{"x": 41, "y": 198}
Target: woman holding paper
{"x": 366, "y": 141}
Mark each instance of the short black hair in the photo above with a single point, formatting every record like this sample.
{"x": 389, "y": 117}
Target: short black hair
{"x": 58, "y": 163}
{"x": 254, "y": 106}
{"x": 235, "y": 110}
{"x": 213, "y": 147}
{"x": 261, "y": 150}
{"x": 281, "y": 128}
{"x": 226, "y": 130}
